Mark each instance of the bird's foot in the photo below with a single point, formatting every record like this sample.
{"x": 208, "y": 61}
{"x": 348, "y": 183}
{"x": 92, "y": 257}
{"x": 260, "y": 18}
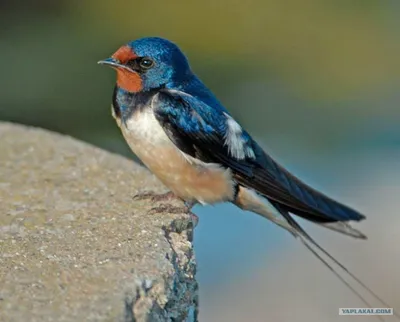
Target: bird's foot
{"x": 166, "y": 208}
{"x": 155, "y": 197}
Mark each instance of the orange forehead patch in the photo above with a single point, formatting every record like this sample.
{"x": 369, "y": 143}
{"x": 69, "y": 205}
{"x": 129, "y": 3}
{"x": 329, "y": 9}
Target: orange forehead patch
{"x": 129, "y": 81}
{"x": 124, "y": 54}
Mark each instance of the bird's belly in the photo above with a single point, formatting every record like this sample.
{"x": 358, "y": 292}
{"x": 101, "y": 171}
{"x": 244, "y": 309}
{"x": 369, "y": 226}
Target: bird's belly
{"x": 190, "y": 179}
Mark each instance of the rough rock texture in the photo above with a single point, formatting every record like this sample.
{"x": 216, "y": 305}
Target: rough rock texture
{"x": 75, "y": 246}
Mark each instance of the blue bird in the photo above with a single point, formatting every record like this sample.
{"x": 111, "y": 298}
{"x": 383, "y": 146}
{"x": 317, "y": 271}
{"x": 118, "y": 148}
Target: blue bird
{"x": 183, "y": 134}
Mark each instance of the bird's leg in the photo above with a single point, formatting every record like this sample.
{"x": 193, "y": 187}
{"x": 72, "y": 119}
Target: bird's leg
{"x": 168, "y": 208}
{"x": 155, "y": 197}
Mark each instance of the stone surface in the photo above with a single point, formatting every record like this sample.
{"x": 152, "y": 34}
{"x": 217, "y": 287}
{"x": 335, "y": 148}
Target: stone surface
{"x": 74, "y": 244}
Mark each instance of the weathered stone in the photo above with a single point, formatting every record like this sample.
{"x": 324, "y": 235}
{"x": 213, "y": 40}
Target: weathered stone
{"x": 75, "y": 246}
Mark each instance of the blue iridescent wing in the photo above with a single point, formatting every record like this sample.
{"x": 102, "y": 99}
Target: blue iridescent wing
{"x": 212, "y": 136}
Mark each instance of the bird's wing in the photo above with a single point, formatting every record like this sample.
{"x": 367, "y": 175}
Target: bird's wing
{"x": 212, "y": 135}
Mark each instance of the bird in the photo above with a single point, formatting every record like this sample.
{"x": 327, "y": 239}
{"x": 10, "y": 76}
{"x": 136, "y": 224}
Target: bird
{"x": 185, "y": 136}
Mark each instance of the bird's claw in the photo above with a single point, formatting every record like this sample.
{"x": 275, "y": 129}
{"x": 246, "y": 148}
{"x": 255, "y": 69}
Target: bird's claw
{"x": 166, "y": 208}
{"x": 155, "y": 197}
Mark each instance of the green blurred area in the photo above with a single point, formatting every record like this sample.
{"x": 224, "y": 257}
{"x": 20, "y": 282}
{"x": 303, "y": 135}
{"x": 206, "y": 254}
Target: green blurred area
{"x": 309, "y": 71}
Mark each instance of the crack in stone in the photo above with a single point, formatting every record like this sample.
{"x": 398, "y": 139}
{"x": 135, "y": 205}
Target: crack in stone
{"x": 182, "y": 285}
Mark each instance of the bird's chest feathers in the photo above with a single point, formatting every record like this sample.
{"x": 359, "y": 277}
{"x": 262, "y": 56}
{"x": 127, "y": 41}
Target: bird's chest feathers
{"x": 134, "y": 115}
{"x": 143, "y": 132}
{"x": 188, "y": 178}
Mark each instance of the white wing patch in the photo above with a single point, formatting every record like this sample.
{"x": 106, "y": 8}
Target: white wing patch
{"x": 233, "y": 139}
{"x": 237, "y": 146}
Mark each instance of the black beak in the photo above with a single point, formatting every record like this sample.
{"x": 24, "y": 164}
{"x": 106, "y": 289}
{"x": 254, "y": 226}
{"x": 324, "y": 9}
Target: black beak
{"x": 112, "y": 62}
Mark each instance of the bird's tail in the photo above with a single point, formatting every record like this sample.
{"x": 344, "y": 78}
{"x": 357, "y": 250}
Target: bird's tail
{"x": 247, "y": 199}
{"x": 313, "y": 246}
{"x": 344, "y": 228}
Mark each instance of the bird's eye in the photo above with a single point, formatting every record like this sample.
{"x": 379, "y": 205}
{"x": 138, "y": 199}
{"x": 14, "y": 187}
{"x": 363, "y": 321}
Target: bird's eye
{"x": 146, "y": 63}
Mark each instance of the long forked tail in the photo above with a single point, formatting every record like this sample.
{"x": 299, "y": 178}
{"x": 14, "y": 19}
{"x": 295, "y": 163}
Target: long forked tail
{"x": 309, "y": 242}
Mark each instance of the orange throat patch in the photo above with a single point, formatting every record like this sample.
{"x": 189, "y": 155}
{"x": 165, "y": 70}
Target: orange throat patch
{"x": 129, "y": 81}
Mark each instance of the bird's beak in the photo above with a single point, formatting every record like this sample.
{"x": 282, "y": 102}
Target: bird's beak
{"x": 112, "y": 62}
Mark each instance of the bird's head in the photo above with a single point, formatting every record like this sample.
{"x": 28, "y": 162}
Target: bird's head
{"x": 148, "y": 63}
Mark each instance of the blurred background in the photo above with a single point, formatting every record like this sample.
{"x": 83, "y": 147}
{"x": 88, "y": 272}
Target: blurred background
{"x": 316, "y": 82}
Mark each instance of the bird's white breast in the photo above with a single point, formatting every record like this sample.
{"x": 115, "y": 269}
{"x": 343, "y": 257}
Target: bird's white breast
{"x": 144, "y": 127}
{"x": 190, "y": 179}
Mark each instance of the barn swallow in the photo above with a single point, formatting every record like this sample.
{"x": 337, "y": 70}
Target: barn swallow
{"x": 185, "y": 136}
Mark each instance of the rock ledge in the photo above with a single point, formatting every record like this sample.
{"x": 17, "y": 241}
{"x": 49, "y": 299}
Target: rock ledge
{"x": 74, "y": 246}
